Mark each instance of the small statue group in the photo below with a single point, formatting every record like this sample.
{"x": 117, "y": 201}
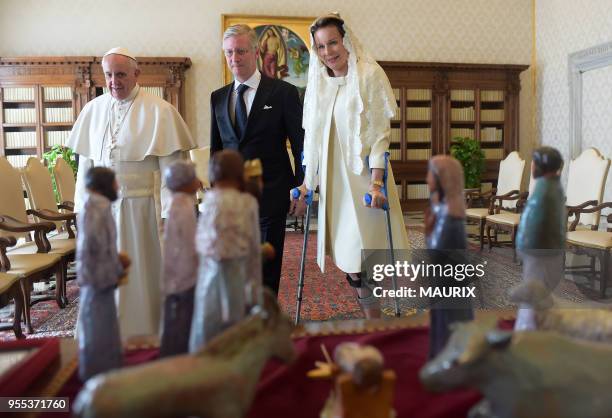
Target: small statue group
{"x": 221, "y": 252}
{"x": 560, "y": 367}
{"x": 212, "y": 268}
{"x": 218, "y": 381}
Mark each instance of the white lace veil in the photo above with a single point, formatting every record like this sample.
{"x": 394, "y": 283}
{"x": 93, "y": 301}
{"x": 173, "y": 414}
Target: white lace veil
{"x": 378, "y": 104}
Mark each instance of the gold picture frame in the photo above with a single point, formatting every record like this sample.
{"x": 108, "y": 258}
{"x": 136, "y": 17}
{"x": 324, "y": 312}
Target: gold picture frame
{"x": 291, "y": 61}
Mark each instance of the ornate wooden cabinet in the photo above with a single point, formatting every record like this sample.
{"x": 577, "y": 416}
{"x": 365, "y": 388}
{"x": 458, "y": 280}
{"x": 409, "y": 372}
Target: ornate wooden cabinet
{"x": 440, "y": 101}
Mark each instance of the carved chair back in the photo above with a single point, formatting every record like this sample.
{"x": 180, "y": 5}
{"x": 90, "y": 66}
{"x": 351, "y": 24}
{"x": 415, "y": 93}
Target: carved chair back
{"x": 510, "y": 177}
{"x": 12, "y": 202}
{"x": 586, "y": 182}
{"x": 64, "y": 180}
{"x": 37, "y": 182}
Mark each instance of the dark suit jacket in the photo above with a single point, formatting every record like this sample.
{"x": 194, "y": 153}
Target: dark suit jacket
{"x": 264, "y": 138}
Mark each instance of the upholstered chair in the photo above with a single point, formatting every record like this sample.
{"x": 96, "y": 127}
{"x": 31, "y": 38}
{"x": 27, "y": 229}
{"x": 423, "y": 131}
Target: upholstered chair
{"x": 504, "y": 195}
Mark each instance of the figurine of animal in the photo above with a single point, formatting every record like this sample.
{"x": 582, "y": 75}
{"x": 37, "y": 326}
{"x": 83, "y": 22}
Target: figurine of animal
{"x": 217, "y": 382}
{"x": 575, "y": 320}
{"x": 526, "y": 374}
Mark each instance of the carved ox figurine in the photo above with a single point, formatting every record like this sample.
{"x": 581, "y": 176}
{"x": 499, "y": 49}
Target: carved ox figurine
{"x": 217, "y": 382}
{"x": 533, "y": 374}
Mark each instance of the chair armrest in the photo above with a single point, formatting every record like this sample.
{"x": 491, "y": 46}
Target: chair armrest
{"x": 581, "y": 206}
{"x": 511, "y": 195}
{"x": 520, "y": 204}
{"x": 577, "y": 210}
{"x": 68, "y": 205}
{"x": 40, "y": 230}
{"x": 5, "y": 263}
{"x": 474, "y": 194}
{"x": 50, "y": 215}
{"x": 10, "y": 224}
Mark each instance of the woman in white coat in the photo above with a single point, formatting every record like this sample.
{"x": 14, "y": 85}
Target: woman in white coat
{"x": 347, "y": 111}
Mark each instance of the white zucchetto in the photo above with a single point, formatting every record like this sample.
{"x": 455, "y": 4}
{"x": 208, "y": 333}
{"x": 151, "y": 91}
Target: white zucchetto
{"x": 120, "y": 51}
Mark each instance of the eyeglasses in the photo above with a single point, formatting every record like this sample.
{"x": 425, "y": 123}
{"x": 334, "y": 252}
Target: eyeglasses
{"x": 238, "y": 51}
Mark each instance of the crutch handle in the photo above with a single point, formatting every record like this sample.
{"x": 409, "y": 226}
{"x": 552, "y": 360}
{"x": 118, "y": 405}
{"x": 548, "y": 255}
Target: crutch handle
{"x": 296, "y": 193}
{"x": 368, "y": 200}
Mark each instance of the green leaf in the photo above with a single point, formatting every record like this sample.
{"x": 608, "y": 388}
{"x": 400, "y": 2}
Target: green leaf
{"x": 51, "y": 157}
{"x": 468, "y": 152}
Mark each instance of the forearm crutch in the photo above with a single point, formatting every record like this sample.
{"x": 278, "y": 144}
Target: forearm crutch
{"x": 387, "y": 209}
{"x": 295, "y": 194}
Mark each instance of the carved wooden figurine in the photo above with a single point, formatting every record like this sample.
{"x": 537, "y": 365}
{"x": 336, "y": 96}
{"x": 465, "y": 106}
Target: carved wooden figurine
{"x": 362, "y": 388}
{"x": 446, "y": 238}
{"x": 216, "y": 382}
{"x": 228, "y": 245}
{"x": 180, "y": 259}
{"x": 541, "y": 234}
{"x": 253, "y": 178}
{"x": 99, "y": 268}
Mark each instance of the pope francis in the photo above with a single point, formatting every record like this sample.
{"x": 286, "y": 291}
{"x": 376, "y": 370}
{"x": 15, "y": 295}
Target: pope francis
{"x": 137, "y": 135}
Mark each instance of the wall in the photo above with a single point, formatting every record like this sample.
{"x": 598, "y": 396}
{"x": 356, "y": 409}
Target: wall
{"x": 563, "y": 27}
{"x": 480, "y": 31}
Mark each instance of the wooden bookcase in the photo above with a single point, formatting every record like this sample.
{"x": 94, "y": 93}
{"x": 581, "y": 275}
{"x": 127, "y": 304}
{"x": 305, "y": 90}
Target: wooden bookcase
{"x": 440, "y": 101}
{"x": 41, "y": 97}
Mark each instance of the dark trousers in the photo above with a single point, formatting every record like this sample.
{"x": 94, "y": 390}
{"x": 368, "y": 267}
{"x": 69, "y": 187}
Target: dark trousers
{"x": 273, "y": 231}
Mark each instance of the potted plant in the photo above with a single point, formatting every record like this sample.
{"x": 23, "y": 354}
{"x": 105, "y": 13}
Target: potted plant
{"x": 50, "y": 157}
{"x": 471, "y": 157}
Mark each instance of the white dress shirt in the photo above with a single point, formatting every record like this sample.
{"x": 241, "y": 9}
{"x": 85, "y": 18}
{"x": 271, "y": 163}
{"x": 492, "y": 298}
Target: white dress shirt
{"x": 249, "y": 95}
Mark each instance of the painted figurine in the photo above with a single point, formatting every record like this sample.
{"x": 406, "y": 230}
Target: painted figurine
{"x": 99, "y": 268}
{"x": 228, "y": 245}
{"x": 541, "y": 234}
{"x": 446, "y": 240}
{"x": 180, "y": 258}
{"x": 362, "y": 387}
{"x": 253, "y": 178}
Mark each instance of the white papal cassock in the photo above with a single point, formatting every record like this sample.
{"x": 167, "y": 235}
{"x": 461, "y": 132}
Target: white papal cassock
{"x": 136, "y": 137}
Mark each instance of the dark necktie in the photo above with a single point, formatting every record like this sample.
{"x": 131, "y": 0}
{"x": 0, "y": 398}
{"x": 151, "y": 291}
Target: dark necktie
{"x": 240, "y": 117}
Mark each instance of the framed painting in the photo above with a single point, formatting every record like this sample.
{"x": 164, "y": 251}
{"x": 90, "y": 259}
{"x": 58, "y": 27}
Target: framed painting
{"x": 283, "y": 46}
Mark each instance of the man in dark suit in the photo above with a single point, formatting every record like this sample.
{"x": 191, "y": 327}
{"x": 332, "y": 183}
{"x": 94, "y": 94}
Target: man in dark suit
{"x": 255, "y": 115}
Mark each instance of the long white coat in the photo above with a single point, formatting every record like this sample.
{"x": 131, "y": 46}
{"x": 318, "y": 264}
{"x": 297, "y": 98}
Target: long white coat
{"x": 345, "y": 225}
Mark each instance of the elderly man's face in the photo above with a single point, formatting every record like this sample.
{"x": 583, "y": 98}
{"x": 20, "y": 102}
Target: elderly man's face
{"x": 121, "y": 74}
{"x": 241, "y": 57}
